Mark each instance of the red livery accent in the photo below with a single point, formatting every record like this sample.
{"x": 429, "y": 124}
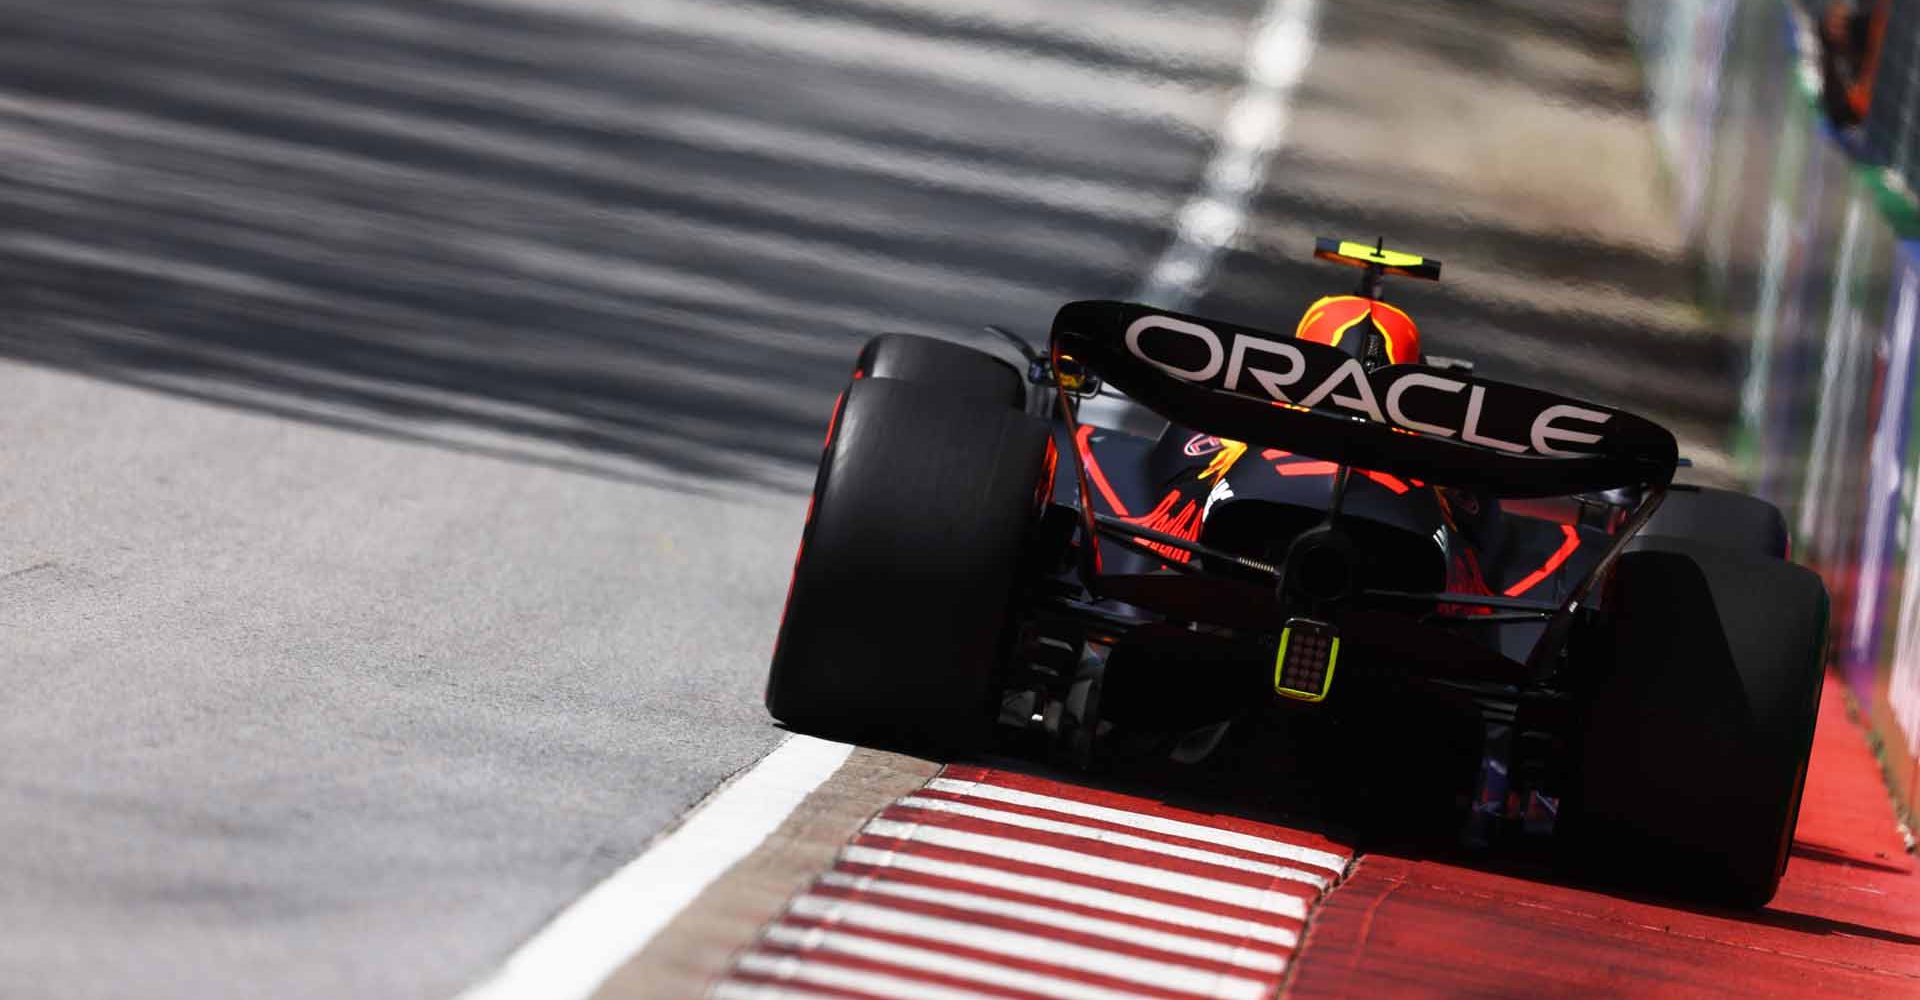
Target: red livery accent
{"x": 1464, "y": 577}
{"x": 1049, "y": 467}
{"x": 833, "y": 422}
{"x": 1307, "y": 467}
{"x": 1391, "y": 482}
{"x": 1554, "y": 561}
{"x": 1186, "y": 524}
{"x": 1092, "y": 466}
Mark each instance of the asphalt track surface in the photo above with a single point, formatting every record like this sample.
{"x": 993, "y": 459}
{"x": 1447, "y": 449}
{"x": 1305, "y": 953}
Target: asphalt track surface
{"x": 406, "y": 405}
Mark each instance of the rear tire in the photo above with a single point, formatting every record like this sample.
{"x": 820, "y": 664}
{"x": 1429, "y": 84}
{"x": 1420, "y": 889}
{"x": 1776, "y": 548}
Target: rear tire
{"x": 898, "y": 615}
{"x": 1704, "y": 687}
{"x": 956, "y": 369}
{"x": 1721, "y": 517}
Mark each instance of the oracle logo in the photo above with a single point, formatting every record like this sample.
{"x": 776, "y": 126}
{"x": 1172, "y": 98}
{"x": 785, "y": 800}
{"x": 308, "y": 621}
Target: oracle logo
{"x": 1411, "y": 397}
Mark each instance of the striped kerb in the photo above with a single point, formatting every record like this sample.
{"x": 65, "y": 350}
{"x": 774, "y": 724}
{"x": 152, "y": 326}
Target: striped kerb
{"x": 988, "y": 884}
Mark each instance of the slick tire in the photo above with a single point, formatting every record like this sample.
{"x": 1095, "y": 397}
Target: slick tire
{"x": 1721, "y": 517}
{"x": 956, "y": 369}
{"x": 898, "y": 616}
{"x": 1703, "y": 685}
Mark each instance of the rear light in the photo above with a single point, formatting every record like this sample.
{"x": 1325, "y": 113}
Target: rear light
{"x": 1303, "y": 669}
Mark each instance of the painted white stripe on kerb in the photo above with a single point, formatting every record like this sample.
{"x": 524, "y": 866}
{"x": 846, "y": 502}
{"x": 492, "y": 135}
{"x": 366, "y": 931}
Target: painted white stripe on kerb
{"x": 941, "y": 963}
{"x": 734, "y": 989}
{"x": 1335, "y": 863}
{"x": 1042, "y": 825}
{"x": 591, "y": 939}
{"x": 1047, "y": 916}
{"x": 1212, "y": 890}
{"x": 851, "y": 915}
{"x": 1285, "y": 906}
{"x": 839, "y": 977}
{"x": 1022, "y": 821}
{"x": 1212, "y": 221}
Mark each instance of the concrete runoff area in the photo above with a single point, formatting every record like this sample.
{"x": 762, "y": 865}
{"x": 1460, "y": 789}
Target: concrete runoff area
{"x": 407, "y": 406}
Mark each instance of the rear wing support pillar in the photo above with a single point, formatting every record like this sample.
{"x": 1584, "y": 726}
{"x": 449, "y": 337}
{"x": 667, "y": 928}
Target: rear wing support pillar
{"x": 1544, "y": 658}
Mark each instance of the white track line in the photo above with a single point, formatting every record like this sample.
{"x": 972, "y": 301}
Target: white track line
{"x": 588, "y": 941}
{"x": 1336, "y": 863}
{"x": 1213, "y": 890}
{"x": 1288, "y": 907}
{"x": 941, "y": 933}
{"x": 1212, "y": 220}
{"x": 1145, "y": 937}
{"x": 822, "y": 940}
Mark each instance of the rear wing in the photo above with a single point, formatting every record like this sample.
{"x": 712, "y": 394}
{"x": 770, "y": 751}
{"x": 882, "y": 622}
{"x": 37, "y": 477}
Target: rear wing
{"x": 1431, "y": 424}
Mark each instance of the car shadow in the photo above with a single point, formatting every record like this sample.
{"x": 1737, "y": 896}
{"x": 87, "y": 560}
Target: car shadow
{"x": 1279, "y": 795}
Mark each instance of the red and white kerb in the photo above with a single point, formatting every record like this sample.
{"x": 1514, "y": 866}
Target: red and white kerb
{"x": 986, "y": 884}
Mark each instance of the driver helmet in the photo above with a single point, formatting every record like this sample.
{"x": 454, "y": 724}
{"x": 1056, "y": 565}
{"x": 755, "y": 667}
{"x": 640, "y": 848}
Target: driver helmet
{"x": 1332, "y": 317}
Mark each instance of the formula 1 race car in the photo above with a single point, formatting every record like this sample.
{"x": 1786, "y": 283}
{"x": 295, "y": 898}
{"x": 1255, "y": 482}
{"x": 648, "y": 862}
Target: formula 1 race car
{"x": 1495, "y": 588}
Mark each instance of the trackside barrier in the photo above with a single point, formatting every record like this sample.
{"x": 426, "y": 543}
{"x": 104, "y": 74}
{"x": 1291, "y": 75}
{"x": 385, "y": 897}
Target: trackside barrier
{"x": 1807, "y": 248}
